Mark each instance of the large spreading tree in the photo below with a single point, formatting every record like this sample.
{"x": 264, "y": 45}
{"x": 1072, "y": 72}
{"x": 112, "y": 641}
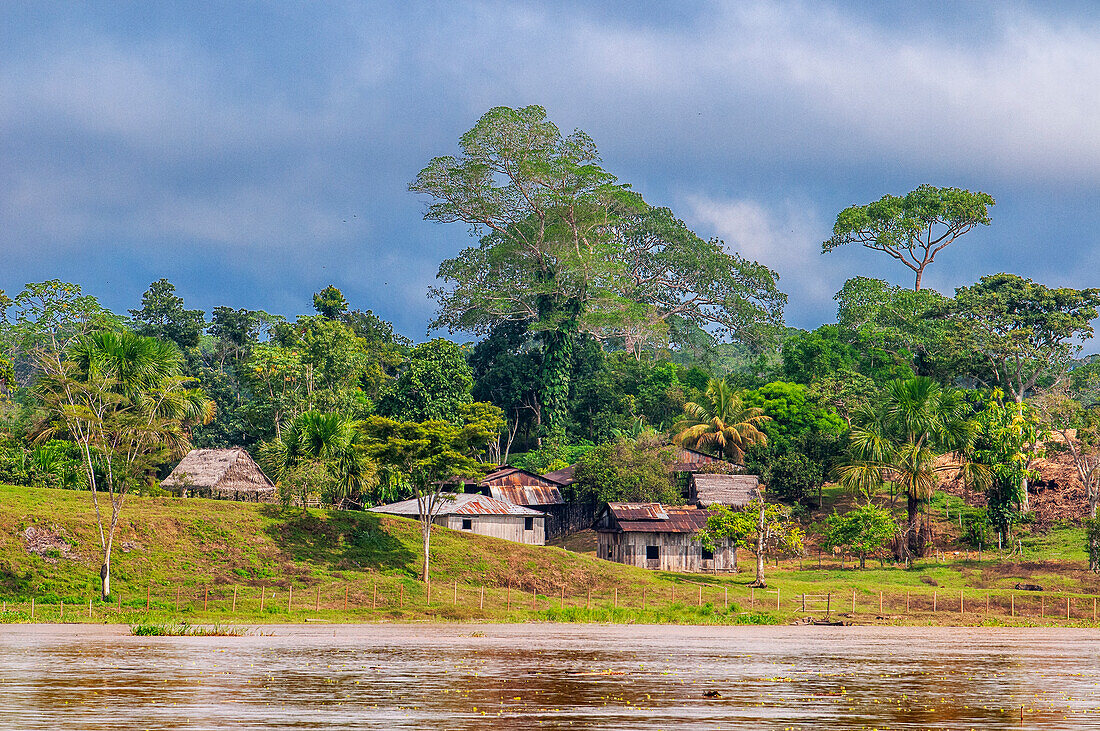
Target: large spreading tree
{"x": 1024, "y": 333}
{"x": 913, "y": 228}
{"x": 565, "y": 248}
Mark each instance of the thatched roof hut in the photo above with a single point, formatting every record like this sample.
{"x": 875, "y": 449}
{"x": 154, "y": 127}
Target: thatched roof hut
{"x": 223, "y": 474}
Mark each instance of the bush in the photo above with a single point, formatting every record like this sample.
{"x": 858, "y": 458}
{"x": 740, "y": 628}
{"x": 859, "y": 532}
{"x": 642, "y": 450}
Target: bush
{"x": 862, "y": 530}
{"x": 629, "y": 471}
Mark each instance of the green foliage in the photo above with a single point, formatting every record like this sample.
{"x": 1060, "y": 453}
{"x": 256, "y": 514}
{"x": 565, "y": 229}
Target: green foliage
{"x": 332, "y": 441}
{"x": 863, "y": 530}
{"x": 554, "y": 454}
{"x": 629, "y": 471}
{"x": 330, "y": 303}
{"x": 791, "y": 412}
{"x": 901, "y": 438}
{"x": 912, "y": 228}
{"x": 1092, "y": 543}
{"x": 1022, "y": 333}
{"x": 434, "y": 384}
{"x": 720, "y": 423}
{"x": 1007, "y": 440}
{"x": 163, "y": 316}
{"x": 565, "y": 248}
{"x": 760, "y": 528}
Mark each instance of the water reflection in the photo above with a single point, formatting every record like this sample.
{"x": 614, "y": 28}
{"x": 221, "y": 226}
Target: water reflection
{"x": 551, "y": 676}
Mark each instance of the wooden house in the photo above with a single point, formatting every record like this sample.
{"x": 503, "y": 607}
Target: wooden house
{"x": 731, "y": 491}
{"x": 655, "y": 536}
{"x": 517, "y": 486}
{"x": 481, "y": 514}
{"x": 222, "y": 474}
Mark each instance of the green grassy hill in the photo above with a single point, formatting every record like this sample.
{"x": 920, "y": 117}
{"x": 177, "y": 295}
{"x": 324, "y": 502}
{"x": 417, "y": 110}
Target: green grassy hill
{"x": 215, "y": 561}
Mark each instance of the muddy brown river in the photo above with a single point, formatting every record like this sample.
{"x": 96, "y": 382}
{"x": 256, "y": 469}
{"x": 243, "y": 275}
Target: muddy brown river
{"x": 550, "y": 676}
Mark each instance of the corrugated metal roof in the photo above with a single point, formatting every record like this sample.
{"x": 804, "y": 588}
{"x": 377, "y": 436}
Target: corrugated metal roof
{"x": 460, "y": 505}
{"x": 564, "y": 476}
{"x": 677, "y": 518}
{"x": 637, "y": 511}
{"x": 687, "y": 459}
{"x": 732, "y": 490}
{"x": 527, "y": 494}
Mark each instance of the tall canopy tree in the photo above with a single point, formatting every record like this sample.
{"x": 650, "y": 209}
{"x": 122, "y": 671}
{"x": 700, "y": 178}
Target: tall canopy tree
{"x": 121, "y": 398}
{"x": 566, "y": 248}
{"x": 1024, "y": 332}
{"x": 162, "y": 315}
{"x": 913, "y": 228}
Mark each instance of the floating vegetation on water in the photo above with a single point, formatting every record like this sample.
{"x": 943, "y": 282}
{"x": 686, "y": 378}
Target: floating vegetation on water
{"x": 186, "y": 630}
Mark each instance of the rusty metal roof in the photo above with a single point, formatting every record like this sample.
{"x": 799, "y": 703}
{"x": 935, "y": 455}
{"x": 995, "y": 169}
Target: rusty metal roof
{"x": 527, "y": 494}
{"x": 657, "y": 518}
{"x": 473, "y": 504}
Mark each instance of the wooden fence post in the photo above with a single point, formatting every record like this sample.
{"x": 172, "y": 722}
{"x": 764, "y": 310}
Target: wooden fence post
{"x": 616, "y": 597}
{"x": 234, "y": 609}
{"x": 263, "y": 595}
{"x": 1013, "y": 596}
{"x": 148, "y": 591}
{"x": 727, "y": 593}
{"x": 290, "y": 599}
{"x": 803, "y": 602}
{"x": 62, "y": 617}
{"x": 961, "y": 610}
{"x": 700, "y": 595}
{"x": 374, "y": 595}
{"x": 32, "y": 608}
{"x": 777, "y": 598}
{"x": 934, "y": 601}
{"x": 907, "y": 601}
{"x": 853, "y": 601}
{"x": 316, "y": 599}
{"x": 481, "y": 603}
{"x": 880, "y": 602}
{"x": 1067, "y": 607}
{"x": 89, "y": 608}
{"x": 1042, "y": 607}
{"x": 205, "y": 597}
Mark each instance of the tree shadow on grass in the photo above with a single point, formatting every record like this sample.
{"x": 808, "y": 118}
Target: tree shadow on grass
{"x": 340, "y": 540}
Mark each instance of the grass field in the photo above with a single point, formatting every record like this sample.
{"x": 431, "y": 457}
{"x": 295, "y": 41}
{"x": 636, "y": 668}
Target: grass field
{"x": 204, "y": 562}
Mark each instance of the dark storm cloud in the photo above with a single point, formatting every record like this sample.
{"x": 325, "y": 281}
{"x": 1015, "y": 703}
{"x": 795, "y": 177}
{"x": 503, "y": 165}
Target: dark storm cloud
{"x": 254, "y": 153}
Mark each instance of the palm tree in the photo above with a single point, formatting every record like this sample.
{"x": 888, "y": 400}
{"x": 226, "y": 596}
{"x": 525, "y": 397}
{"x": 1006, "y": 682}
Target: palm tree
{"x": 331, "y": 439}
{"x": 123, "y": 400}
{"x": 720, "y": 422}
{"x": 900, "y": 440}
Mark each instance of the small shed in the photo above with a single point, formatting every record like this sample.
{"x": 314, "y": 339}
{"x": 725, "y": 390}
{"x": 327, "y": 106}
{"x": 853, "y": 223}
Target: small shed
{"x": 222, "y": 474}
{"x": 481, "y": 514}
{"x": 660, "y": 537}
{"x": 732, "y": 491}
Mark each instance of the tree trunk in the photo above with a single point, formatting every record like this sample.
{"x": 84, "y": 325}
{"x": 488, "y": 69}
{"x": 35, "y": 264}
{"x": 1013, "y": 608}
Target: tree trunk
{"x": 913, "y": 541}
{"x": 862, "y": 560}
{"x": 760, "y": 551}
{"x": 920, "y": 275}
{"x": 105, "y": 579}
{"x": 426, "y": 534}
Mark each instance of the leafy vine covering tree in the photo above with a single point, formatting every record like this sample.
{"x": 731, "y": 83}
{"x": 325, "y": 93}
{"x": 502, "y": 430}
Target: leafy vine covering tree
{"x": 565, "y": 248}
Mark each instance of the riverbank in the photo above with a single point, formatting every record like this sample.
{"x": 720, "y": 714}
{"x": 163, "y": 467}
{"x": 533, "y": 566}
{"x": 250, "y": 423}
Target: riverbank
{"x": 204, "y": 562}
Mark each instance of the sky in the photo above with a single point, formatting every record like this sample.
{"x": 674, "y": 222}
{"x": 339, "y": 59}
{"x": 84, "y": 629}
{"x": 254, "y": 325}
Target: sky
{"x": 253, "y": 153}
